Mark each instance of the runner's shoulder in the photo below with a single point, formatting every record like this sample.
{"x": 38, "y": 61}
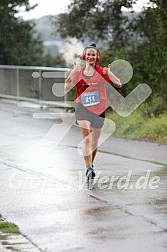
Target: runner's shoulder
{"x": 99, "y": 69}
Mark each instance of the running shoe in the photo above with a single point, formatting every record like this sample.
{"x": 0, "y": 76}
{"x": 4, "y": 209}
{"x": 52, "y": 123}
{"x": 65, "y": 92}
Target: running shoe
{"x": 90, "y": 174}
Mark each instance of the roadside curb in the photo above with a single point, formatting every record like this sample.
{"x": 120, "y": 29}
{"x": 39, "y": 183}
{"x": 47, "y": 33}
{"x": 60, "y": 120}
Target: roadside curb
{"x": 15, "y": 242}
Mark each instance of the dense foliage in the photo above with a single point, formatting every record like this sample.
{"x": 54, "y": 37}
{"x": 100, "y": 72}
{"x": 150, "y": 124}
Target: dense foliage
{"x": 17, "y": 45}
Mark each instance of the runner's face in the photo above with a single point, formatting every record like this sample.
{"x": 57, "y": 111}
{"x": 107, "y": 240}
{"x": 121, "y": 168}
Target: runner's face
{"x": 91, "y": 56}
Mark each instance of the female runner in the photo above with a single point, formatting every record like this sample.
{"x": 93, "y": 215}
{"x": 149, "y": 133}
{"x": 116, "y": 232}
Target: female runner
{"x": 91, "y": 101}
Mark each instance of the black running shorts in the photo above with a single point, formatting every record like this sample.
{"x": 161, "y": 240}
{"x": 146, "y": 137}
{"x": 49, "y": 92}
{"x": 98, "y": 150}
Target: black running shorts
{"x": 82, "y": 113}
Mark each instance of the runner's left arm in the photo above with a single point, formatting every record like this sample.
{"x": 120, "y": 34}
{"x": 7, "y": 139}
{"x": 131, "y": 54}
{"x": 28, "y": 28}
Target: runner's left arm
{"x": 112, "y": 78}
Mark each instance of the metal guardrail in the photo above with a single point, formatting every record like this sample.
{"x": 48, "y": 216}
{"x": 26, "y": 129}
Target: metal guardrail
{"x": 33, "y": 84}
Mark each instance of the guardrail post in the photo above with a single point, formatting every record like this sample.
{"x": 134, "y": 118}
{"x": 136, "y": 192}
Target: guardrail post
{"x": 18, "y": 85}
{"x": 40, "y": 88}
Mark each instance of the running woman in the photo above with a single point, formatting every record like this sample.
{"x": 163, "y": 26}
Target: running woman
{"x": 91, "y": 101}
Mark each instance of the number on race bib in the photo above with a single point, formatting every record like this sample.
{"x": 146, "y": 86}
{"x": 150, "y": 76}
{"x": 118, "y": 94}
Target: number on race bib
{"x": 90, "y": 98}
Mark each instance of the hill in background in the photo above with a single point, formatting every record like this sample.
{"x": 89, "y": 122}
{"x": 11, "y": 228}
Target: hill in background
{"x": 46, "y": 28}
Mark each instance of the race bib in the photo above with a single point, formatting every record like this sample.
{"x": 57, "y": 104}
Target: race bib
{"x": 90, "y": 98}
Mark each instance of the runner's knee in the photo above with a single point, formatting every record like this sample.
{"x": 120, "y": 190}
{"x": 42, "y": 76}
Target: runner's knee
{"x": 87, "y": 140}
{"x": 95, "y": 143}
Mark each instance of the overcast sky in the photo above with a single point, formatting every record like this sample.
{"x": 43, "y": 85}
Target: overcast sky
{"x": 53, "y": 7}
{"x": 45, "y": 7}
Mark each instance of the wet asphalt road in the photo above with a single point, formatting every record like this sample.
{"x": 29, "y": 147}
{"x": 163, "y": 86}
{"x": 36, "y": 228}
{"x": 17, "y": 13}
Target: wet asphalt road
{"x": 43, "y": 189}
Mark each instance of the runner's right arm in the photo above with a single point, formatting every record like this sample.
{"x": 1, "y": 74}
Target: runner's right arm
{"x": 70, "y": 82}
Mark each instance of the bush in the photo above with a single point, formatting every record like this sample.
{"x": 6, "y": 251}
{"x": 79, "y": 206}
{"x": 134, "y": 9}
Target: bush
{"x": 153, "y": 107}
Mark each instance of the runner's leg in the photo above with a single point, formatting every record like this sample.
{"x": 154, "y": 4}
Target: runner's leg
{"x": 95, "y": 138}
{"x": 87, "y": 146}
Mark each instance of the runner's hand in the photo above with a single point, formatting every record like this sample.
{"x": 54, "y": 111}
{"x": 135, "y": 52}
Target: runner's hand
{"x": 106, "y": 70}
{"x": 76, "y": 68}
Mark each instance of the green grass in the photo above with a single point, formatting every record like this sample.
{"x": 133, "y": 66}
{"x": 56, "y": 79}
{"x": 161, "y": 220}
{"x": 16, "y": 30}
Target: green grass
{"x": 9, "y": 227}
{"x": 139, "y": 126}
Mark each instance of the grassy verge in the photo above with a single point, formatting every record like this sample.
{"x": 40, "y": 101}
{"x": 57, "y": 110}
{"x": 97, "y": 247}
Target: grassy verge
{"x": 140, "y": 127}
{"x": 9, "y": 227}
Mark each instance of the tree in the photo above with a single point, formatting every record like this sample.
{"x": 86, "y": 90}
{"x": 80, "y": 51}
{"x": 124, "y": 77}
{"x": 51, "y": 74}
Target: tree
{"x": 17, "y": 46}
{"x": 95, "y": 19}
{"x": 150, "y": 57}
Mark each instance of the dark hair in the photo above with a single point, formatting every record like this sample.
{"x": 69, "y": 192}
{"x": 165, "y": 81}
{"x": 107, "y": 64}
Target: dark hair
{"x": 93, "y": 45}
